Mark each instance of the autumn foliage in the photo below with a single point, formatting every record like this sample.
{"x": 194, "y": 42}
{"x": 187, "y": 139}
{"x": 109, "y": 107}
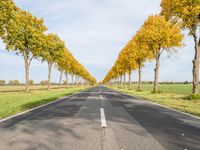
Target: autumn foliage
{"x": 25, "y": 34}
{"x": 154, "y": 37}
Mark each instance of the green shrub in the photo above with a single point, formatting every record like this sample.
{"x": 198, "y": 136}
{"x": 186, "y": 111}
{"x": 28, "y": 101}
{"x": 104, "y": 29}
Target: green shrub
{"x": 138, "y": 90}
{"x": 193, "y": 97}
{"x": 14, "y": 82}
{"x": 44, "y": 82}
{"x": 2, "y": 82}
{"x": 31, "y": 82}
{"x": 157, "y": 92}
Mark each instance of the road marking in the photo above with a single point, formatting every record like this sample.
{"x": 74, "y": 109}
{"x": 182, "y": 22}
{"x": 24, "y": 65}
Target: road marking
{"x": 140, "y": 98}
{"x": 103, "y": 104}
{"x": 103, "y": 118}
{"x": 100, "y": 96}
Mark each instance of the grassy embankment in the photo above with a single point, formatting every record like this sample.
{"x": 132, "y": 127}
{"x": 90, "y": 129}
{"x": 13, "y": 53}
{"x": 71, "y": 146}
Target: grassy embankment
{"x": 14, "y": 100}
{"x": 172, "y": 95}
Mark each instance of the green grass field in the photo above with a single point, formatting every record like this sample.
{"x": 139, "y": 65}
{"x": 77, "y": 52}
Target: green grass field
{"x": 173, "y": 96}
{"x": 15, "y": 102}
{"x": 20, "y": 88}
{"x": 169, "y": 88}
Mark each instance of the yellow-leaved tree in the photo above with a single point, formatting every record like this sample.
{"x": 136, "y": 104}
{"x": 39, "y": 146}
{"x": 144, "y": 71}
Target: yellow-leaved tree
{"x": 160, "y": 35}
{"x": 24, "y": 35}
{"x": 7, "y": 13}
{"x": 186, "y": 13}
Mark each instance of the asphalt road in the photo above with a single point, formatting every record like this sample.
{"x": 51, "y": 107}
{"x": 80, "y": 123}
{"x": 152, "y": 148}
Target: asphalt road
{"x": 75, "y": 123}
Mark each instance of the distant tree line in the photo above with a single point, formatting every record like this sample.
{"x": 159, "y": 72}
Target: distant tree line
{"x": 31, "y": 82}
{"x": 164, "y": 82}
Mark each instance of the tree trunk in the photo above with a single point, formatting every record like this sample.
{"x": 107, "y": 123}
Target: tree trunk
{"x": 66, "y": 79}
{"x": 156, "y": 70}
{"x": 72, "y": 79}
{"x": 79, "y": 80}
{"x": 195, "y": 70}
{"x": 60, "y": 82}
{"x": 118, "y": 81}
{"x": 50, "y": 64}
{"x": 85, "y": 82}
{"x": 75, "y": 82}
{"x": 124, "y": 80}
{"x": 27, "y": 72}
{"x": 139, "y": 76}
{"x": 129, "y": 79}
{"x": 121, "y": 81}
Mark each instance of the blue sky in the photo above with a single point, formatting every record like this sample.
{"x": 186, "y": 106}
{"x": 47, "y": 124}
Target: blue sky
{"x": 95, "y": 32}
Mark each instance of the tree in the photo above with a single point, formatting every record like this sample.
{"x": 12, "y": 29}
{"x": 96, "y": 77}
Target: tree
{"x": 44, "y": 82}
{"x": 69, "y": 65}
{"x": 14, "y": 82}
{"x": 23, "y": 35}
{"x": 2, "y": 82}
{"x": 128, "y": 61}
{"x": 141, "y": 54}
{"x": 7, "y": 13}
{"x": 160, "y": 35}
{"x": 53, "y": 49}
{"x": 63, "y": 65}
{"x": 60, "y": 81}
{"x": 186, "y": 13}
{"x": 31, "y": 82}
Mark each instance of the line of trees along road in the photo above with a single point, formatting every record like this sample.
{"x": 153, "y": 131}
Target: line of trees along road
{"x": 160, "y": 33}
{"x": 25, "y": 34}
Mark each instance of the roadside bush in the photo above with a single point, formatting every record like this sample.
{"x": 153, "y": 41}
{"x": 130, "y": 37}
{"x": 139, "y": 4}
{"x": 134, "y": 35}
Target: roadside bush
{"x": 44, "y": 82}
{"x": 52, "y": 83}
{"x": 138, "y": 90}
{"x": 193, "y": 97}
{"x": 14, "y": 82}
{"x": 65, "y": 82}
{"x": 2, "y": 82}
{"x": 31, "y": 82}
{"x": 186, "y": 82}
{"x": 157, "y": 92}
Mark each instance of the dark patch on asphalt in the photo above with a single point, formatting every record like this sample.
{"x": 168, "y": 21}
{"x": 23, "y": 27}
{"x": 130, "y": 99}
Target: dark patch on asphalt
{"x": 60, "y": 111}
{"x": 171, "y": 132}
{"x": 115, "y": 103}
{"x": 31, "y": 114}
{"x": 77, "y": 100}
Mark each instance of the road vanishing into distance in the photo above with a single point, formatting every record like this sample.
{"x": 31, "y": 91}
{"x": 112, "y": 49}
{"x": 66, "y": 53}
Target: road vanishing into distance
{"x": 100, "y": 119}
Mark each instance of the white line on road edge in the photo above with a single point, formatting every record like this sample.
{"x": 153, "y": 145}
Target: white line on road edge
{"x": 144, "y": 99}
{"x": 2, "y": 120}
{"x": 103, "y": 118}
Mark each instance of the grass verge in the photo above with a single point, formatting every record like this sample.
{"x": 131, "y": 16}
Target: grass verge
{"x": 184, "y": 89}
{"x": 172, "y": 100}
{"x": 14, "y": 102}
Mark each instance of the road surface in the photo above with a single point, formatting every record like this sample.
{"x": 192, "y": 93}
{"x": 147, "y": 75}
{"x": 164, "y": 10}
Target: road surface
{"x": 101, "y": 119}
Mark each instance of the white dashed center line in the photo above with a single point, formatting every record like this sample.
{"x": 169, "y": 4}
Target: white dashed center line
{"x": 103, "y": 118}
{"x": 101, "y": 97}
